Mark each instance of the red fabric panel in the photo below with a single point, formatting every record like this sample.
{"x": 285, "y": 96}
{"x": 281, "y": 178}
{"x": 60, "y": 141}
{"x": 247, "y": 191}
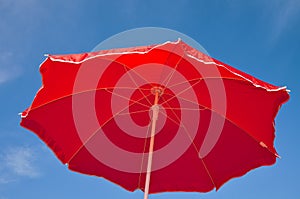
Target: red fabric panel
{"x": 185, "y": 76}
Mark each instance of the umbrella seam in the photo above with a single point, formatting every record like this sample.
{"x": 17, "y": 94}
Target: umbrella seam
{"x": 95, "y": 132}
{"x": 174, "y": 69}
{"x": 195, "y": 147}
{"x": 240, "y": 75}
{"x": 78, "y": 93}
{"x": 128, "y": 69}
{"x": 102, "y": 88}
{"x": 226, "y": 118}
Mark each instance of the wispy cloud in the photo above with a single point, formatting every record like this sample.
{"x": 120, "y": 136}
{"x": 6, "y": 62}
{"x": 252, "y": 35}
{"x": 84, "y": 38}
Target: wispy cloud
{"x": 18, "y": 162}
{"x": 284, "y": 15}
{"x": 277, "y": 16}
{"x": 5, "y": 180}
{"x": 16, "y": 17}
{"x": 17, "y": 7}
{"x": 8, "y": 68}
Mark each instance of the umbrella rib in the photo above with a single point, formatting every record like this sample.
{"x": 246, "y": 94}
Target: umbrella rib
{"x": 184, "y": 90}
{"x": 177, "y": 64}
{"x": 169, "y": 108}
{"x": 175, "y": 122}
{"x": 169, "y": 77}
{"x": 192, "y": 102}
{"x": 118, "y": 113}
{"x": 132, "y": 79}
{"x": 195, "y": 147}
{"x": 137, "y": 102}
{"x": 77, "y": 93}
{"x": 188, "y": 109}
{"x": 124, "y": 65}
{"x": 247, "y": 133}
{"x": 182, "y": 126}
{"x": 166, "y": 101}
{"x": 204, "y": 78}
{"x": 207, "y": 171}
{"x": 134, "y": 112}
{"x": 101, "y": 126}
{"x": 259, "y": 142}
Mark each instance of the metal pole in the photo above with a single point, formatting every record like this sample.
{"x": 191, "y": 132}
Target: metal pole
{"x": 155, "y": 111}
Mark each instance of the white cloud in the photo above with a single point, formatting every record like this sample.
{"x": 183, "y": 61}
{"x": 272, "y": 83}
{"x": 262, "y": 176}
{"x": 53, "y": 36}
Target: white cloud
{"x": 284, "y": 14}
{"x": 278, "y": 16}
{"x": 17, "y": 12}
{"x": 18, "y": 162}
{"x": 8, "y": 69}
{"x": 5, "y": 180}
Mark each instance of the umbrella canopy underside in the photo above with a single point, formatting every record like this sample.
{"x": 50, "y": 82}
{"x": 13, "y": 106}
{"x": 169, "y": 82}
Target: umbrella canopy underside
{"x": 215, "y": 122}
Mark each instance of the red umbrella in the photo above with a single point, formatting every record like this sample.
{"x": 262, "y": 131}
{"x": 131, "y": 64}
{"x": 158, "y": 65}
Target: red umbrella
{"x": 157, "y": 118}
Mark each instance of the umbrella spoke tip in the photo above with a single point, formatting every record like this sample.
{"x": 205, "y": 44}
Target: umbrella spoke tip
{"x": 23, "y": 114}
{"x": 263, "y": 144}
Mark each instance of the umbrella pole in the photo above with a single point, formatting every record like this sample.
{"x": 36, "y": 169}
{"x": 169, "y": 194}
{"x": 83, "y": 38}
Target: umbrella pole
{"x": 155, "y": 111}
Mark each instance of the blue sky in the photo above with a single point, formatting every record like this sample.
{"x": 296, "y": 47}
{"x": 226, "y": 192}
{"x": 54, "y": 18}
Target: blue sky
{"x": 260, "y": 37}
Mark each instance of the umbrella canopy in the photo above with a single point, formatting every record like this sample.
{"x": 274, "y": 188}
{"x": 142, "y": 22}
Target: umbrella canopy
{"x": 168, "y": 110}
